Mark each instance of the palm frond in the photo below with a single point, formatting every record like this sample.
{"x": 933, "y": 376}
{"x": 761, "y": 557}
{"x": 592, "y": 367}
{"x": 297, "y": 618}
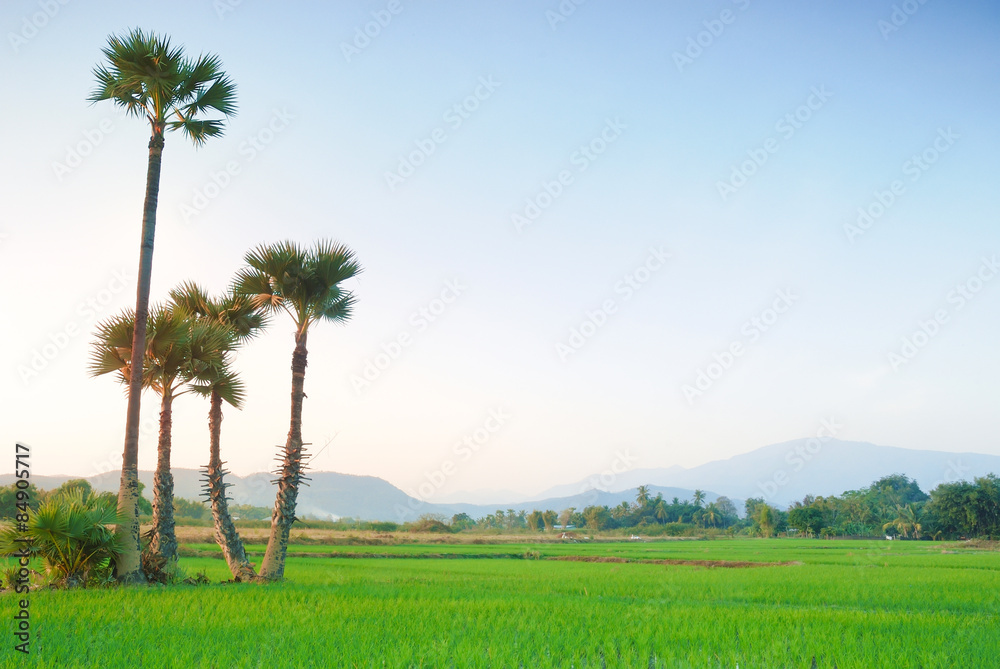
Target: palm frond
{"x": 146, "y": 76}
{"x": 198, "y": 131}
{"x": 303, "y": 282}
{"x": 337, "y": 309}
{"x": 111, "y": 350}
{"x": 192, "y": 299}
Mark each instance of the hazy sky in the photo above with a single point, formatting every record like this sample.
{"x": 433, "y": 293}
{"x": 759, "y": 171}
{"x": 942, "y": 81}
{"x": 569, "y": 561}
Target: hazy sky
{"x": 676, "y": 230}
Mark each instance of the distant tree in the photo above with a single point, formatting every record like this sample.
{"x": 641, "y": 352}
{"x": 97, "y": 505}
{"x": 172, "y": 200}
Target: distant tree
{"x": 642, "y": 495}
{"x": 596, "y": 517}
{"x": 549, "y": 518}
{"x": 710, "y": 516}
{"x": 765, "y": 520}
{"x": 662, "y": 512}
{"x": 699, "y": 498}
{"x": 184, "y": 508}
{"x": 726, "y": 507}
{"x": 535, "y": 520}
{"x": 566, "y": 516}
{"x": 462, "y": 521}
{"x": 74, "y": 485}
{"x": 621, "y": 511}
{"x": 9, "y": 499}
{"x": 808, "y": 519}
{"x": 905, "y": 522}
{"x": 145, "y": 506}
{"x": 750, "y": 506}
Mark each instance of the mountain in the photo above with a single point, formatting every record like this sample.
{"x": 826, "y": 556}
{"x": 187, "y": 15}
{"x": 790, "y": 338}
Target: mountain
{"x": 481, "y": 497}
{"x": 786, "y": 472}
{"x": 781, "y": 473}
{"x": 330, "y": 494}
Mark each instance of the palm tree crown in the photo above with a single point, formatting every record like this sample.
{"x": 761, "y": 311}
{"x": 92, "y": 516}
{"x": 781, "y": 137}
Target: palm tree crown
{"x": 150, "y": 79}
{"x": 303, "y": 283}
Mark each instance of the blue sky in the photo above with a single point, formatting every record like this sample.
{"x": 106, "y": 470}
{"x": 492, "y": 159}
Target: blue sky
{"x": 841, "y": 107}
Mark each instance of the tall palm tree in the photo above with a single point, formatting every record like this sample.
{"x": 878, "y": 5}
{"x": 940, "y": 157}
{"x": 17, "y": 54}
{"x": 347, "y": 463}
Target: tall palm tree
{"x": 178, "y": 350}
{"x": 237, "y": 314}
{"x": 699, "y": 498}
{"x": 151, "y": 80}
{"x": 305, "y": 284}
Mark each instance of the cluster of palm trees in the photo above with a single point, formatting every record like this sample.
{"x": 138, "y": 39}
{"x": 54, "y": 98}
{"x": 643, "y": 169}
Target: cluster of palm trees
{"x": 187, "y": 344}
{"x": 190, "y": 344}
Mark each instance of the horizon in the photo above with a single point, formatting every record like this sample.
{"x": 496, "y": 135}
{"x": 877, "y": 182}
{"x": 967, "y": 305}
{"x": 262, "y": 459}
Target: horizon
{"x": 677, "y": 231}
{"x": 591, "y": 482}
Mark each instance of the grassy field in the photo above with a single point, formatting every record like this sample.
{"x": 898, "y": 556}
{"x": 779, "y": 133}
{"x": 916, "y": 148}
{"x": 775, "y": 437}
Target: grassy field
{"x": 831, "y": 604}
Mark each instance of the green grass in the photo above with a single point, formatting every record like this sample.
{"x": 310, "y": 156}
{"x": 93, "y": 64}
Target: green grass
{"x": 849, "y": 604}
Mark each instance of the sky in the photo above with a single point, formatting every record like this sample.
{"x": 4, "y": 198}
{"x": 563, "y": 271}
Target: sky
{"x": 594, "y": 235}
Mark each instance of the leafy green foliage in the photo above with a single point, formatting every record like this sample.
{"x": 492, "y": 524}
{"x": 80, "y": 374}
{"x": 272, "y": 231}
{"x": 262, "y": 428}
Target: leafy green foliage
{"x": 148, "y": 78}
{"x": 71, "y": 534}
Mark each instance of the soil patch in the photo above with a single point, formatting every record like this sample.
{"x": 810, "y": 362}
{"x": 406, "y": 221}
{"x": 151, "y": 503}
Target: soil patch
{"x": 731, "y": 564}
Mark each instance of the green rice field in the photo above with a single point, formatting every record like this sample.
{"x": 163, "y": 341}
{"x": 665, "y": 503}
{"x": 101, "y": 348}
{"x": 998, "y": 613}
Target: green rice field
{"x": 806, "y": 603}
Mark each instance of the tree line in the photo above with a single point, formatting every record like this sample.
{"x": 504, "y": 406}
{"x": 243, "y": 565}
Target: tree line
{"x": 893, "y": 505}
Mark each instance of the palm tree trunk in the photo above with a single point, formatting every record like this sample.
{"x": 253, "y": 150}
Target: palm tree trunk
{"x": 128, "y": 567}
{"x": 272, "y": 568}
{"x": 164, "y": 544}
{"x": 225, "y": 531}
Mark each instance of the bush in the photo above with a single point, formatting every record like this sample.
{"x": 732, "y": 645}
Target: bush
{"x": 428, "y": 524}
{"x": 71, "y": 534}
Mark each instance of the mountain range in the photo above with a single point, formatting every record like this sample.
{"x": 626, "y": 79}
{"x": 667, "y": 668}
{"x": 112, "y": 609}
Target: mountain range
{"x": 780, "y": 473}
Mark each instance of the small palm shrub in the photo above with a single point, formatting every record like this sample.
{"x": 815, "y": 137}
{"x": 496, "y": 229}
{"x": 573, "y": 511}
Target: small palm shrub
{"x": 72, "y": 535}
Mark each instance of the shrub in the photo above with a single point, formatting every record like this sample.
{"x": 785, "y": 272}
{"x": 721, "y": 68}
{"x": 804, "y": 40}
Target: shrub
{"x": 71, "y": 534}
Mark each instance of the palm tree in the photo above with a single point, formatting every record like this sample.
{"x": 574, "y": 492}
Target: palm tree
{"x": 305, "y": 284}
{"x": 699, "y": 498}
{"x": 905, "y": 522}
{"x": 642, "y": 496}
{"x": 178, "y": 350}
{"x": 151, "y": 80}
{"x": 243, "y": 321}
{"x": 710, "y": 515}
{"x": 662, "y": 513}
{"x": 766, "y": 519}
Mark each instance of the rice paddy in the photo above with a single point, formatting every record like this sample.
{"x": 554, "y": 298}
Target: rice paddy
{"x": 830, "y": 604}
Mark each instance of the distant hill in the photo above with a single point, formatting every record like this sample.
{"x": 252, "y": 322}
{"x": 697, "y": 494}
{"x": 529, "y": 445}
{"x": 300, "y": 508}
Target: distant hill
{"x": 787, "y": 472}
{"x": 330, "y": 494}
{"x": 781, "y": 473}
